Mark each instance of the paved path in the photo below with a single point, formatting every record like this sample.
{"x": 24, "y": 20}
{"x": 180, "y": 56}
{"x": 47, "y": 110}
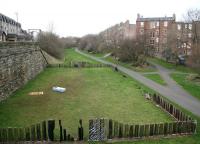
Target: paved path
{"x": 176, "y": 95}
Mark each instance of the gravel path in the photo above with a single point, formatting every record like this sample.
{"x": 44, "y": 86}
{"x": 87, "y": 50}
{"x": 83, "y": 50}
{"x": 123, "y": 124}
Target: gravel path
{"x": 173, "y": 91}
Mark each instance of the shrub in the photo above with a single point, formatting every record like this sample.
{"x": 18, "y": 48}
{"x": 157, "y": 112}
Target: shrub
{"x": 52, "y": 44}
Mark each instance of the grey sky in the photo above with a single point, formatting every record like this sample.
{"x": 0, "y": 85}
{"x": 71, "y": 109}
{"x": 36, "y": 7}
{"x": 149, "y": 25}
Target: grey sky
{"x": 80, "y": 17}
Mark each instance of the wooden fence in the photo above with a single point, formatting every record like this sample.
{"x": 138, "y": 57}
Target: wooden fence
{"x": 39, "y": 132}
{"x": 78, "y": 65}
{"x": 183, "y": 125}
{"x": 171, "y": 109}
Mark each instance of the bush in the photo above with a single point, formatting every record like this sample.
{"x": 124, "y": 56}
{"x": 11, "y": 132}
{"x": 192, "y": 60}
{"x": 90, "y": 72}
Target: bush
{"x": 131, "y": 51}
{"x": 52, "y": 44}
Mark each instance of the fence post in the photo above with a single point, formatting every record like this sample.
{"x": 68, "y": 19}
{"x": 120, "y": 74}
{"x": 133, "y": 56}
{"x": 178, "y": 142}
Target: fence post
{"x": 161, "y": 132}
{"x": 16, "y": 134}
{"x": 38, "y": 131}
{"x": 131, "y": 131}
{"x": 120, "y": 130}
{"x": 65, "y": 134}
{"x": 10, "y": 134}
{"x": 5, "y": 134}
{"x": 44, "y": 131}
{"x": 21, "y": 134}
{"x": 1, "y": 137}
{"x": 170, "y": 128}
{"x": 33, "y": 135}
{"x": 80, "y": 131}
{"x": 61, "y": 135}
{"x": 126, "y": 132}
{"x": 27, "y": 131}
{"x": 194, "y": 127}
{"x": 116, "y": 128}
{"x": 165, "y": 128}
{"x": 136, "y": 131}
{"x": 110, "y": 128}
{"x": 147, "y": 129}
{"x": 151, "y": 132}
{"x": 156, "y": 129}
{"x": 141, "y": 130}
{"x": 51, "y": 126}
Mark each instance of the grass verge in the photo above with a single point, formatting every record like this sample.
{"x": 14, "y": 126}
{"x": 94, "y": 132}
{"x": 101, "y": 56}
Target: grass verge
{"x": 155, "y": 77}
{"x": 190, "y": 86}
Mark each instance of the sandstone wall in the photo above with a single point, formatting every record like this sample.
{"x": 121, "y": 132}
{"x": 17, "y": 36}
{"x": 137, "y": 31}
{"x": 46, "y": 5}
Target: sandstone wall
{"x": 19, "y": 63}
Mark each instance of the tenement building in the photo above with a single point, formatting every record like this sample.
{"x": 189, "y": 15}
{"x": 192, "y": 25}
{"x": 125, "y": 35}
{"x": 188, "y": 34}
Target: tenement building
{"x": 10, "y": 30}
{"x": 154, "y": 32}
{"x": 118, "y": 32}
{"x": 164, "y": 34}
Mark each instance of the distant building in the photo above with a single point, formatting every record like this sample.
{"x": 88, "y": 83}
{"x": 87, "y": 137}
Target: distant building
{"x": 154, "y": 31}
{"x": 10, "y": 30}
{"x": 119, "y": 32}
{"x": 162, "y": 33}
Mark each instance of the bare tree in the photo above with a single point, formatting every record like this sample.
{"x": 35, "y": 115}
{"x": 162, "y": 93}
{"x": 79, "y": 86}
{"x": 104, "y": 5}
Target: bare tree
{"x": 51, "y": 43}
{"x": 131, "y": 51}
{"x": 193, "y": 15}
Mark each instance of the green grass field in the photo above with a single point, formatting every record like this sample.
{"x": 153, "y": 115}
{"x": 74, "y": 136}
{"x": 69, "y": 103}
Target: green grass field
{"x": 155, "y": 77}
{"x": 190, "y": 86}
{"x": 91, "y": 93}
{"x": 128, "y": 65}
{"x": 72, "y": 56}
{"x": 172, "y": 66}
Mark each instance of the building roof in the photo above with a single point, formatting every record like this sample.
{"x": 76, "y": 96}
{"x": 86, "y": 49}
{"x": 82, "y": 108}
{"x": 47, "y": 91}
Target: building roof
{"x": 156, "y": 19}
{"x": 9, "y": 20}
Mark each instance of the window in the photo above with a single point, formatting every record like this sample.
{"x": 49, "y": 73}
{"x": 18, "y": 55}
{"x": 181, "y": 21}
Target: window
{"x": 152, "y": 25}
{"x": 157, "y": 32}
{"x": 190, "y": 26}
{"x": 157, "y": 23}
{"x": 157, "y": 40}
{"x": 179, "y": 27}
{"x": 189, "y": 35}
{"x": 141, "y": 31}
{"x": 152, "y": 34}
{"x": 165, "y": 23}
{"x": 142, "y": 24}
{"x": 152, "y": 42}
{"x": 185, "y": 26}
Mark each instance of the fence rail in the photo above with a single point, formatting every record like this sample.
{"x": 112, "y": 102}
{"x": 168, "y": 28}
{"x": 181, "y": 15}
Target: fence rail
{"x": 77, "y": 65}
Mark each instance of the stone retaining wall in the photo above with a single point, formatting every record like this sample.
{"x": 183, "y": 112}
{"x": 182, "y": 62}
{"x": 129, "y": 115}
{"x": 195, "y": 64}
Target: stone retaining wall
{"x": 19, "y": 63}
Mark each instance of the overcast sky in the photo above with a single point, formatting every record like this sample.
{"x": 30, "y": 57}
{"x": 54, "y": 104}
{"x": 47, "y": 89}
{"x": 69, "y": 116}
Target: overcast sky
{"x": 80, "y": 17}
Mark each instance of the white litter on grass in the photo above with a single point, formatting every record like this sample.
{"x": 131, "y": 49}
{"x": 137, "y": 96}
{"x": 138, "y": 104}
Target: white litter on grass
{"x": 36, "y": 93}
{"x": 58, "y": 89}
{"x": 107, "y": 55}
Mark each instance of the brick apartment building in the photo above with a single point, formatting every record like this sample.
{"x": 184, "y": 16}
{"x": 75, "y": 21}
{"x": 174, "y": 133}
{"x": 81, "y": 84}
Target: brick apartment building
{"x": 162, "y": 33}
